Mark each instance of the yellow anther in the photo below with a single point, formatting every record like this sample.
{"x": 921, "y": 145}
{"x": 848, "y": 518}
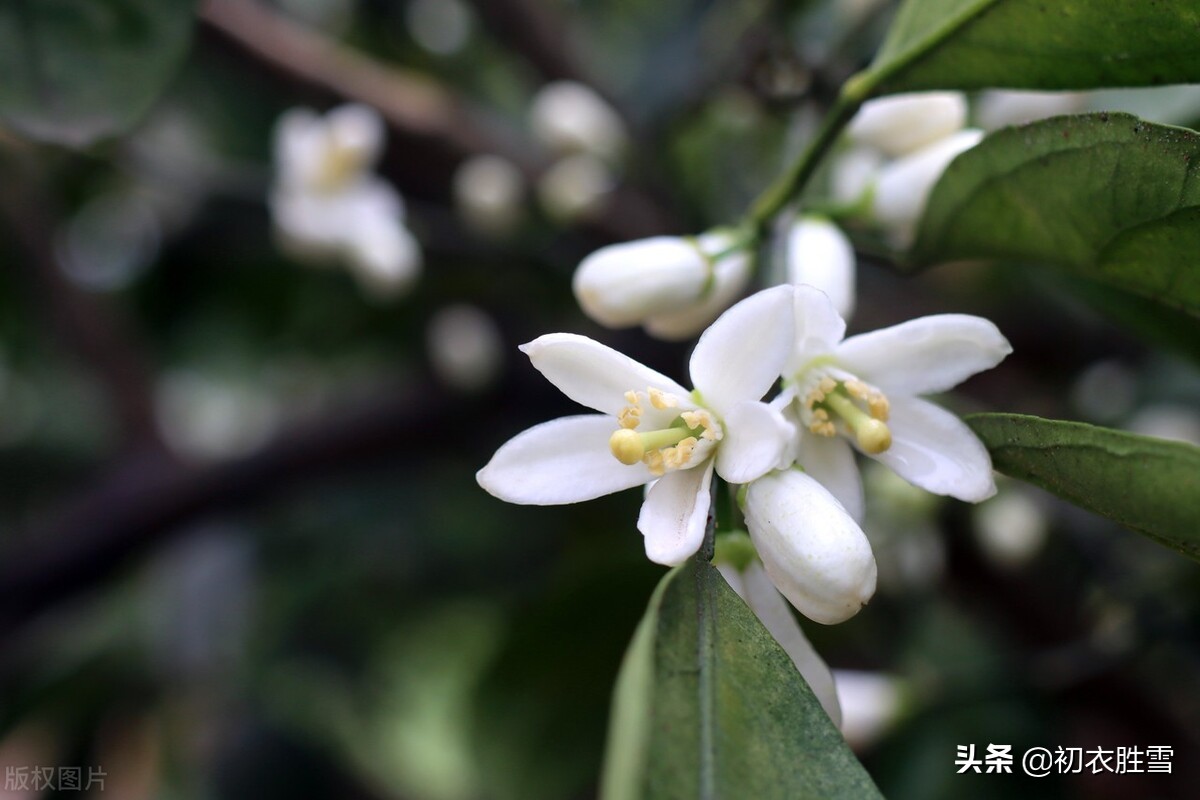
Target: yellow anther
{"x": 629, "y": 417}
{"x": 654, "y": 462}
{"x": 822, "y": 428}
{"x": 856, "y": 388}
{"x": 694, "y": 419}
{"x": 879, "y": 407}
{"x": 660, "y": 399}
{"x": 680, "y": 454}
{"x": 626, "y": 446}
{"x": 631, "y": 397}
{"x": 827, "y": 384}
{"x": 873, "y": 436}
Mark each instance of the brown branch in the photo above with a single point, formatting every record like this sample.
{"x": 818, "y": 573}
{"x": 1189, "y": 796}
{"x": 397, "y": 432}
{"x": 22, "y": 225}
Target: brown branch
{"x": 83, "y": 323}
{"x": 148, "y": 498}
{"x": 413, "y": 104}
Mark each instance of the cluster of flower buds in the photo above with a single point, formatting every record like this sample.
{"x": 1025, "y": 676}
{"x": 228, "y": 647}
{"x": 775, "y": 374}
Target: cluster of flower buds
{"x": 900, "y": 146}
{"x": 328, "y": 205}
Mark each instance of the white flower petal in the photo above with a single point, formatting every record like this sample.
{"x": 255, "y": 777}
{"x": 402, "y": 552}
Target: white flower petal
{"x": 830, "y": 460}
{"x": 675, "y": 514}
{"x": 819, "y": 254}
{"x": 903, "y": 186}
{"x": 771, "y": 609}
{"x": 818, "y": 329}
{"x": 815, "y": 554}
{"x": 935, "y": 450}
{"x": 565, "y": 460}
{"x": 925, "y": 355}
{"x": 741, "y": 355}
{"x": 593, "y": 374}
{"x": 756, "y": 436}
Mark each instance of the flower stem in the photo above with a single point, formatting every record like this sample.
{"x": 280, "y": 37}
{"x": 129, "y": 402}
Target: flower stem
{"x": 789, "y": 186}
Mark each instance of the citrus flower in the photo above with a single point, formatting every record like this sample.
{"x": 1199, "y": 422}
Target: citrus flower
{"x": 863, "y": 393}
{"x": 651, "y": 429}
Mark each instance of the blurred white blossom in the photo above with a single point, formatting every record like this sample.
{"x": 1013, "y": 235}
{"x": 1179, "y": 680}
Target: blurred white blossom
{"x": 1178, "y": 423}
{"x": 465, "y": 347}
{"x": 1011, "y": 527}
{"x": 575, "y": 187}
{"x": 904, "y": 123}
{"x": 205, "y": 418}
{"x": 820, "y": 255}
{"x": 329, "y": 205}
{"x": 489, "y": 191}
{"x": 569, "y": 117}
{"x": 997, "y": 108}
{"x": 872, "y": 702}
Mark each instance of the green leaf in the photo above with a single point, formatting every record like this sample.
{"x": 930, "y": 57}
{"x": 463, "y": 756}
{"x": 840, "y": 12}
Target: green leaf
{"x": 1107, "y": 196}
{"x": 1036, "y": 44}
{"x": 79, "y": 70}
{"x": 1149, "y": 485}
{"x": 709, "y": 706}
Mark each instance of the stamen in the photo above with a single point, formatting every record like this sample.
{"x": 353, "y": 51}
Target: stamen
{"x": 873, "y": 434}
{"x": 660, "y": 399}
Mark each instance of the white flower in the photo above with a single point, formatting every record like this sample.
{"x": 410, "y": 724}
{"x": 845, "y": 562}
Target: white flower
{"x": 812, "y": 549}
{"x": 820, "y": 255}
{"x": 570, "y": 117}
{"x": 650, "y": 427}
{"x": 464, "y": 346}
{"x": 902, "y": 187}
{"x": 862, "y": 392}
{"x": 903, "y": 123}
{"x": 575, "y": 187}
{"x": 674, "y": 286}
{"x": 872, "y": 703}
{"x": 327, "y": 204}
{"x": 754, "y": 587}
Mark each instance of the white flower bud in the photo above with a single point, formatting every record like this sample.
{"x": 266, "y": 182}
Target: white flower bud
{"x": 487, "y": 191}
{"x": 903, "y": 186}
{"x": 384, "y": 257}
{"x": 570, "y": 117}
{"x": 814, "y": 552}
{"x": 730, "y": 274}
{"x": 575, "y": 187}
{"x": 820, "y": 255}
{"x": 903, "y": 123}
{"x": 622, "y": 284}
{"x": 1011, "y": 527}
{"x": 853, "y": 174}
{"x": 997, "y": 108}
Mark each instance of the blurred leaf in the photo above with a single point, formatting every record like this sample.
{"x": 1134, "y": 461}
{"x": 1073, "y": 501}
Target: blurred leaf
{"x": 77, "y": 70}
{"x": 1149, "y": 485}
{"x": 708, "y": 705}
{"x": 1033, "y": 44}
{"x": 1107, "y": 196}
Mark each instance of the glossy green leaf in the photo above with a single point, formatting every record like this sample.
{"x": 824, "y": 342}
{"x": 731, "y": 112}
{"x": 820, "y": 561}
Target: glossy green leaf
{"x": 1149, "y": 485}
{"x": 1036, "y": 44}
{"x": 1107, "y": 196}
{"x": 709, "y": 706}
{"x": 79, "y": 70}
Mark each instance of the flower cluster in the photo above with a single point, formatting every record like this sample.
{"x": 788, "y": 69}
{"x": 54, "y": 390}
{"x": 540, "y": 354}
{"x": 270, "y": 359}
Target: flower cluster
{"x": 328, "y": 205}
{"x": 793, "y": 456}
{"x": 900, "y": 146}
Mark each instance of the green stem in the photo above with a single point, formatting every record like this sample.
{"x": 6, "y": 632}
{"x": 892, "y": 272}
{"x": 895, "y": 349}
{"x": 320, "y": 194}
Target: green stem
{"x": 792, "y": 183}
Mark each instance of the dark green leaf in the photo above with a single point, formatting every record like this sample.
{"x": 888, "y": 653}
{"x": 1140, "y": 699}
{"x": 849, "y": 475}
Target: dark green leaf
{"x": 1107, "y": 196}
{"x": 1149, "y": 485}
{"x": 1038, "y": 44}
{"x": 709, "y": 706}
{"x": 79, "y": 70}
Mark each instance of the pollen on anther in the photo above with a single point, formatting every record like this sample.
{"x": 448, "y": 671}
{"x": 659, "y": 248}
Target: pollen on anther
{"x": 879, "y": 406}
{"x": 630, "y": 417}
{"x": 631, "y": 397}
{"x": 654, "y": 462}
{"x": 660, "y": 399}
{"x": 822, "y": 428}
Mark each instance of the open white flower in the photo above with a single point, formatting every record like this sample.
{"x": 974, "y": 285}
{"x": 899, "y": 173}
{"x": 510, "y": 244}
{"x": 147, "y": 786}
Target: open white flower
{"x": 862, "y": 392}
{"x": 327, "y": 204}
{"x": 649, "y": 427}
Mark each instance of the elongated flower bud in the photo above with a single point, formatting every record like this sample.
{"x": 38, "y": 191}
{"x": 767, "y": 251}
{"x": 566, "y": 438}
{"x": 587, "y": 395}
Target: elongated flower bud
{"x": 570, "y": 117}
{"x": 820, "y": 255}
{"x": 620, "y": 285}
{"x": 903, "y": 123}
{"x": 813, "y": 551}
{"x": 730, "y": 274}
